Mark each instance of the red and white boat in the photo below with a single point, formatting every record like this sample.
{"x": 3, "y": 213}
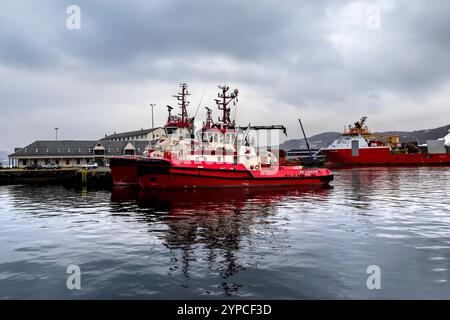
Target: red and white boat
{"x": 221, "y": 157}
{"x": 177, "y": 127}
{"x": 165, "y": 173}
{"x": 358, "y": 147}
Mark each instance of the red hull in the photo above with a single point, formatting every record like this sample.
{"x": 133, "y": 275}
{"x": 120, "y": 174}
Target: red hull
{"x": 123, "y": 171}
{"x": 383, "y": 156}
{"x": 163, "y": 174}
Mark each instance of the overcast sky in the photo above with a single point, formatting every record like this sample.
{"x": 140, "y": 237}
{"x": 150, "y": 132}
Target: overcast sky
{"x": 329, "y": 62}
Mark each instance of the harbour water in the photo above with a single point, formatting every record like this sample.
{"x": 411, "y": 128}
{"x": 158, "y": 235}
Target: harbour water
{"x": 282, "y": 243}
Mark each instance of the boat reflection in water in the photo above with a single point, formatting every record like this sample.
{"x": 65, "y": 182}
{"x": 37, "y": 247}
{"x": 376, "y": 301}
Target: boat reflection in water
{"x": 213, "y": 227}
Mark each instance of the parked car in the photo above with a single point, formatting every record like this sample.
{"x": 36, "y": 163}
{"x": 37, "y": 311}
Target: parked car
{"x": 91, "y": 165}
{"x": 33, "y": 166}
{"x": 52, "y": 166}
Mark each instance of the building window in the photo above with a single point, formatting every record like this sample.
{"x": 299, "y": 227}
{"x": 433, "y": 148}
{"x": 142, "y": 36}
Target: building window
{"x": 36, "y": 150}
{"x": 26, "y": 150}
{"x": 78, "y": 161}
{"x": 90, "y": 150}
{"x": 68, "y": 150}
{"x": 59, "y": 150}
{"x": 46, "y": 162}
{"x": 67, "y": 161}
{"x": 99, "y": 152}
{"x": 35, "y": 161}
{"x": 57, "y": 161}
{"x": 46, "y": 150}
{"x": 79, "y": 150}
{"x": 117, "y": 150}
{"x": 24, "y": 162}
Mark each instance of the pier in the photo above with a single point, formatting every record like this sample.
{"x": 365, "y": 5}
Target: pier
{"x": 68, "y": 176}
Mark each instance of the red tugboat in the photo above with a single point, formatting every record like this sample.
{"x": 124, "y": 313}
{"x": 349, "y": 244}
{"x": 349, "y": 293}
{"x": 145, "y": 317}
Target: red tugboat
{"x": 221, "y": 158}
{"x": 123, "y": 168}
{"x": 358, "y": 147}
{"x": 173, "y": 174}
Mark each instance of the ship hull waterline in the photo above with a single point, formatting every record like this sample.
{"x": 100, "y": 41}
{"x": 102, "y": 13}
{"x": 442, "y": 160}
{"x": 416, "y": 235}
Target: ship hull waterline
{"x": 162, "y": 174}
{"x": 383, "y": 157}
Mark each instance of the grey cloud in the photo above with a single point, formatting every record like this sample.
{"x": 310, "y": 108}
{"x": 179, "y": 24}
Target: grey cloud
{"x": 282, "y": 50}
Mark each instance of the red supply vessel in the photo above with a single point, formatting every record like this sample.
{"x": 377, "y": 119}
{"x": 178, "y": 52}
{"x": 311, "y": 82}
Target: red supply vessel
{"x": 358, "y": 147}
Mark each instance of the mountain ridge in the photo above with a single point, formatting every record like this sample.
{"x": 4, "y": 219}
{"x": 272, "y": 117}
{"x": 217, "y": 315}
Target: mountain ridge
{"x": 323, "y": 139}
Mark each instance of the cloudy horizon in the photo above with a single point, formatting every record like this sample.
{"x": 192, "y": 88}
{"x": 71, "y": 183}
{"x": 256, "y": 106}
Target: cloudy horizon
{"x": 328, "y": 62}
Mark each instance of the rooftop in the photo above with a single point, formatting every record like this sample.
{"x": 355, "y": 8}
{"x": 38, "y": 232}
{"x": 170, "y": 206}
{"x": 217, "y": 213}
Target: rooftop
{"x": 75, "y": 147}
{"x": 128, "y": 134}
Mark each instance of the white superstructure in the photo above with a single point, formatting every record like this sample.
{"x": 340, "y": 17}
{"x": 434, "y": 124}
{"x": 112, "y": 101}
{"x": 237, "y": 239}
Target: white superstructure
{"x": 446, "y": 139}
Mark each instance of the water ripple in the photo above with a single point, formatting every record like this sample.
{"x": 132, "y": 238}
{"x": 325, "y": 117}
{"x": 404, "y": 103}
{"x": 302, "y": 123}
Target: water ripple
{"x": 247, "y": 243}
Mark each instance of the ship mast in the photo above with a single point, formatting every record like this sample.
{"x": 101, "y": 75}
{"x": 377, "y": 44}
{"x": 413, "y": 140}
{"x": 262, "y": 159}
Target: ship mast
{"x": 169, "y": 118}
{"x": 358, "y": 128}
{"x": 182, "y": 102}
{"x": 209, "y": 121}
{"x": 222, "y": 104}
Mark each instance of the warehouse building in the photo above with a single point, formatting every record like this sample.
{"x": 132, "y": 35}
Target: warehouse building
{"x": 72, "y": 153}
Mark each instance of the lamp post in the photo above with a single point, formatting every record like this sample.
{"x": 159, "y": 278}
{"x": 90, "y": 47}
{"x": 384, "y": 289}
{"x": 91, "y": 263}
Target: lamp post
{"x": 56, "y": 134}
{"x": 152, "y": 105}
{"x": 153, "y": 124}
